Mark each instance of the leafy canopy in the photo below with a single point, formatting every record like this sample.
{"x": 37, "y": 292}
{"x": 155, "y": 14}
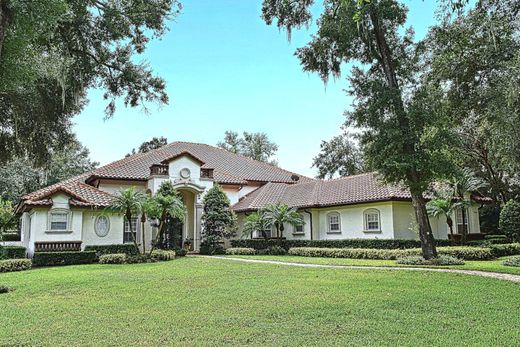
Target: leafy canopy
{"x": 256, "y": 146}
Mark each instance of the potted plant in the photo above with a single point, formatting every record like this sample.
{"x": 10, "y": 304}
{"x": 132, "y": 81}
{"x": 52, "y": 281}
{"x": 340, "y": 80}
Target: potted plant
{"x": 187, "y": 244}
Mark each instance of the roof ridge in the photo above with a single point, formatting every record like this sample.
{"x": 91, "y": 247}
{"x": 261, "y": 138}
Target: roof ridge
{"x": 257, "y": 161}
{"x": 349, "y": 176}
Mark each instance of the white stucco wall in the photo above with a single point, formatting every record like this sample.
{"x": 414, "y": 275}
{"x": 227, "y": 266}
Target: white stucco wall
{"x": 115, "y": 233}
{"x": 112, "y": 187}
{"x": 352, "y": 222}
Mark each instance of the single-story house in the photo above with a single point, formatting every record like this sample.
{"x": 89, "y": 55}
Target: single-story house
{"x": 71, "y": 214}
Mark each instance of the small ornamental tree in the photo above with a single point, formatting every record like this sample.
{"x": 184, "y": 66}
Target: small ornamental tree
{"x": 218, "y": 221}
{"x": 256, "y": 222}
{"x": 7, "y": 216}
{"x": 509, "y": 222}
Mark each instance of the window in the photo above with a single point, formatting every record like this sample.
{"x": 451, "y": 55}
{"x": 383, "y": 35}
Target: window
{"x": 59, "y": 220}
{"x": 372, "y": 220}
{"x": 267, "y": 233}
{"x": 334, "y": 222}
{"x": 460, "y": 222}
{"x": 127, "y": 235}
{"x": 299, "y": 229}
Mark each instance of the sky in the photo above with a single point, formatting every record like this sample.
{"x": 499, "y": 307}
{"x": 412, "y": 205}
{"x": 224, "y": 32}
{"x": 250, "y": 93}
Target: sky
{"x": 226, "y": 69}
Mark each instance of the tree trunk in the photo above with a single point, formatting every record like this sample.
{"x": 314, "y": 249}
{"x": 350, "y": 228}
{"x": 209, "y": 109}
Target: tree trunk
{"x": 385, "y": 58}
{"x": 143, "y": 220}
{"x": 5, "y": 20}
{"x": 425, "y": 231}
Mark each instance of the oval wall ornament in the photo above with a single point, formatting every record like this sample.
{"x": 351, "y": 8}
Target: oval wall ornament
{"x": 102, "y": 226}
{"x": 185, "y": 173}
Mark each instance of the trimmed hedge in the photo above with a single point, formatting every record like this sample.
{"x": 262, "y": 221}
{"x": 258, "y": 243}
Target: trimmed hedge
{"x": 10, "y": 237}
{"x": 63, "y": 258}
{"x": 12, "y": 252}
{"x": 349, "y": 243}
{"x": 163, "y": 255}
{"x": 467, "y": 253}
{"x": 241, "y": 251}
{"x": 505, "y": 249}
{"x": 127, "y": 248}
{"x": 10, "y": 265}
{"x": 117, "y": 258}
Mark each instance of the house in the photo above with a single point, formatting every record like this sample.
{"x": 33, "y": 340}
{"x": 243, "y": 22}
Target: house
{"x": 71, "y": 214}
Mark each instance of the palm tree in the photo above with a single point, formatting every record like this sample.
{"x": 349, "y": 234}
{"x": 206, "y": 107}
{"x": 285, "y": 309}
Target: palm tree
{"x": 279, "y": 214}
{"x": 444, "y": 206}
{"x": 256, "y": 222}
{"x": 163, "y": 207}
{"x": 129, "y": 202}
{"x": 466, "y": 182}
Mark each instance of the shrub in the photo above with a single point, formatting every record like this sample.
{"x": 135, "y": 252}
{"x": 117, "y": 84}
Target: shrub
{"x": 275, "y": 250}
{"x": 241, "y": 251}
{"x": 15, "y": 265}
{"x": 509, "y": 222}
{"x": 10, "y": 237}
{"x": 12, "y": 252}
{"x": 163, "y": 255}
{"x": 495, "y": 237}
{"x": 505, "y": 249}
{"x": 128, "y": 249}
{"x": 180, "y": 252}
{"x": 4, "y": 289}
{"x": 467, "y": 253}
{"x": 350, "y": 243}
{"x": 211, "y": 248}
{"x": 140, "y": 258}
{"x": 116, "y": 258}
{"x": 512, "y": 262}
{"x": 63, "y": 258}
{"x": 440, "y": 260}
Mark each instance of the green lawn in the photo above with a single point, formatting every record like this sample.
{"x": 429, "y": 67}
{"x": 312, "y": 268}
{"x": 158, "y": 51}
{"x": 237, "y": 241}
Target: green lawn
{"x": 487, "y": 265}
{"x": 200, "y": 301}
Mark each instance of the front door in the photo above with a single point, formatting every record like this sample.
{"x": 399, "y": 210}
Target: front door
{"x": 172, "y": 237}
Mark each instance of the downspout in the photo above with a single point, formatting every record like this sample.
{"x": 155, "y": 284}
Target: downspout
{"x": 310, "y": 219}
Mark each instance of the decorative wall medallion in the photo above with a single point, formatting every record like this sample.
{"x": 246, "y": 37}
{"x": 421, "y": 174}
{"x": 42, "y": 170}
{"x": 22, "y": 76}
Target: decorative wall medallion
{"x": 185, "y": 173}
{"x": 102, "y": 226}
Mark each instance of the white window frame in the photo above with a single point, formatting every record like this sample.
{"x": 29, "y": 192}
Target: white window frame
{"x": 366, "y": 222}
{"x": 329, "y": 223}
{"x": 300, "y": 229}
{"x": 127, "y": 231}
{"x": 68, "y": 221}
{"x": 96, "y": 228}
{"x": 458, "y": 215}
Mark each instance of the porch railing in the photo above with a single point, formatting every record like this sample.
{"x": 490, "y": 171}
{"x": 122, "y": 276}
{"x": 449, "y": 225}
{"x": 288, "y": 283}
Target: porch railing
{"x": 57, "y": 246}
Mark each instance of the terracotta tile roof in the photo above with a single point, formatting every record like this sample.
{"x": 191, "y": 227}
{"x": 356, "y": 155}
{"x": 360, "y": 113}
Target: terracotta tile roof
{"x": 228, "y": 167}
{"x": 81, "y": 194}
{"x": 342, "y": 191}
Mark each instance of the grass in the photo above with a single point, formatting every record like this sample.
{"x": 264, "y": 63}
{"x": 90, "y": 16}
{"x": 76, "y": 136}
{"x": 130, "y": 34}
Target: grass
{"x": 484, "y": 265}
{"x": 201, "y": 301}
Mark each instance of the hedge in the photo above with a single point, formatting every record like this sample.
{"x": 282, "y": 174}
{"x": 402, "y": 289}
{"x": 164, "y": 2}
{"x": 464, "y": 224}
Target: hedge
{"x": 241, "y": 251}
{"x": 12, "y": 252}
{"x": 63, "y": 258}
{"x": 350, "y": 243}
{"x": 10, "y": 237}
{"x": 15, "y": 265}
{"x": 117, "y": 258}
{"x": 163, "y": 255}
{"x": 467, "y": 253}
{"x": 128, "y": 249}
{"x": 505, "y": 249}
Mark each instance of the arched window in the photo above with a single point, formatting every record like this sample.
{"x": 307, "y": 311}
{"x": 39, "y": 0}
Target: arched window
{"x": 372, "y": 220}
{"x": 334, "y": 222}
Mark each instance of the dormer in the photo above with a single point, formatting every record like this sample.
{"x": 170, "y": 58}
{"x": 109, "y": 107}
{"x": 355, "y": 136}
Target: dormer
{"x": 185, "y": 167}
